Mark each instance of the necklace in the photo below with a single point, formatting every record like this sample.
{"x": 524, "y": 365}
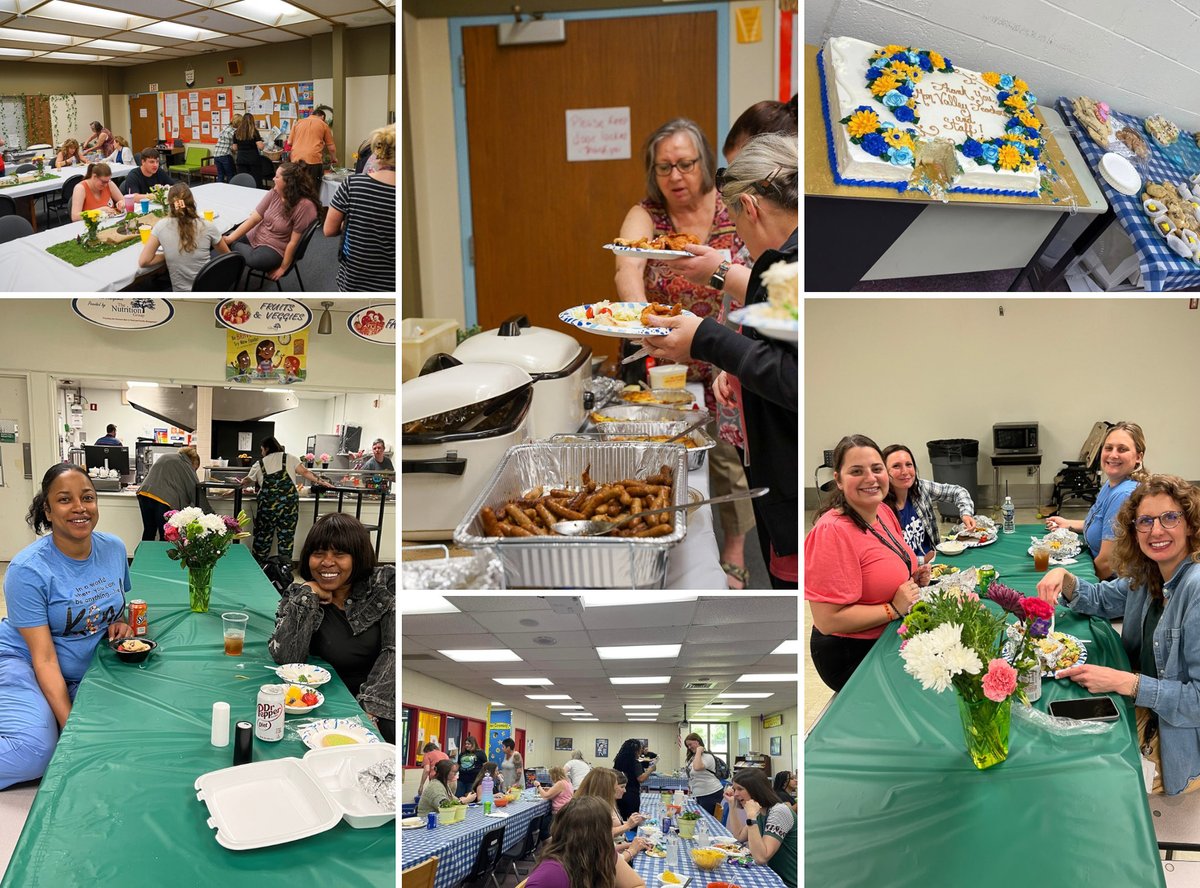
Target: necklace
{"x": 892, "y": 543}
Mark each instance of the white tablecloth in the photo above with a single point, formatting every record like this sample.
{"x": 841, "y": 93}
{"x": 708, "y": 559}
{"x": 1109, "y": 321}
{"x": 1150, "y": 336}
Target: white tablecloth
{"x": 329, "y": 188}
{"x": 30, "y": 189}
{"x": 39, "y": 271}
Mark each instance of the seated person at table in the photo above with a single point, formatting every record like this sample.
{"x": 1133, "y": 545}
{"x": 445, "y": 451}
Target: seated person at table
{"x": 96, "y": 192}
{"x": 445, "y": 777}
{"x": 46, "y": 645}
{"x": 138, "y": 181}
{"x": 609, "y": 785}
{"x": 627, "y": 761}
{"x": 580, "y": 854}
{"x": 1156, "y": 586}
{"x": 269, "y": 237}
{"x": 68, "y": 155}
{"x": 858, "y": 571}
{"x": 912, "y": 499}
{"x": 1121, "y": 458}
{"x": 559, "y": 791}
{"x": 576, "y": 768}
{"x": 785, "y": 788}
{"x": 344, "y": 613}
{"x": 758, "y": 818}
{"x": 121, "y": 152}
{"x": 498, "y": 784}
{"x": 188, "y": 241}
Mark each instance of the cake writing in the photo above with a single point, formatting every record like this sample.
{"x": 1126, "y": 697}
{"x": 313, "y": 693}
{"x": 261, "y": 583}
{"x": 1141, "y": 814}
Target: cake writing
{"x": 960, "y": 104}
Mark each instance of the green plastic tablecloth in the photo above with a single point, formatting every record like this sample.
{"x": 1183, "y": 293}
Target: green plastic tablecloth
{"x": 117, "y": 803}
{"x": 891, "y": 797}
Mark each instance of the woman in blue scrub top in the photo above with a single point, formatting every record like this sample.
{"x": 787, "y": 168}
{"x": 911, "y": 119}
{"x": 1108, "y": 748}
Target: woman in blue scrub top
{"x": 65, "y": 593}
{"x": 1121, "y": 459}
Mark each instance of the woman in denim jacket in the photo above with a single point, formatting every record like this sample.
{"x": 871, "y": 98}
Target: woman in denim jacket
{"x": 1156, "y": 591}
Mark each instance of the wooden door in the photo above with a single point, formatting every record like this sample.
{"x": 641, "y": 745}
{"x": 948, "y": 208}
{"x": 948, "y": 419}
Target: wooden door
{"x": 538, "y": 221}
{"x": 144, "y": 130}
{"x": 519, "y": 739}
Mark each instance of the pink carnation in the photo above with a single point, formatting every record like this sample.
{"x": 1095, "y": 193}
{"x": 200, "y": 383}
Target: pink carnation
{"x": 1036, "y": 609}
{"x": 902, "y": 631}
{"x": 170, "y": 533}
{"x": 1000, "y": 681}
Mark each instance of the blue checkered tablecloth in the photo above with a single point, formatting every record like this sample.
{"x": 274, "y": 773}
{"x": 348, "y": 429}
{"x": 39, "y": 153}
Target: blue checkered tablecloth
{"x": 649, "y": 868}
{"x": 671, "y": 783}
{"x": 1161, "y": 268}
{"x": 457, "y": 844}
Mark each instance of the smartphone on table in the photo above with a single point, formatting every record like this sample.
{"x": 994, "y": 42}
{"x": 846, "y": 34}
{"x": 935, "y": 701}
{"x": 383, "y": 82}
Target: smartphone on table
{"x": 1086, "y": 709}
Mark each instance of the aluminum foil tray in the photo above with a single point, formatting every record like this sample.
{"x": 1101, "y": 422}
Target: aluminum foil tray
{"x": 479, "y": 571}
{"x": 574, "y": 562}
{"x": 641, "y": 413}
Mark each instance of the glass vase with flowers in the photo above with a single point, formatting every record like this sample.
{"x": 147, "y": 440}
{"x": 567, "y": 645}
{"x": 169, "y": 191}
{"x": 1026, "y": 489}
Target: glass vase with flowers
{"x": 200, "y": 539}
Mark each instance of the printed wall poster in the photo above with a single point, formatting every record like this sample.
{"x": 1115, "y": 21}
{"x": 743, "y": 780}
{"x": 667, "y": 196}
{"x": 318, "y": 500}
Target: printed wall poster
{"x": 601, "y": 747}
{"x": 277, "y": 360}
{"x": 563, "y": 744}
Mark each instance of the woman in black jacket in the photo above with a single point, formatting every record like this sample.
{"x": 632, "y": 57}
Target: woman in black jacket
{"x": 628, "y": 763}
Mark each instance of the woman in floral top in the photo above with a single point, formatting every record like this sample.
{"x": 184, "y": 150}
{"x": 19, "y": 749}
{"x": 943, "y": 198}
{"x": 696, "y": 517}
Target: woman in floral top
{"x": 345, "y": 614}
{"x": 681, "y": 197}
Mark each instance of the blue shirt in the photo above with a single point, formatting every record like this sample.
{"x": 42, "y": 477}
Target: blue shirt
{"x": 107, "y": 441}
{"x": 76, "y": 599}
{"x": 1100, "y": 523}
{"x": 915, "y": 533}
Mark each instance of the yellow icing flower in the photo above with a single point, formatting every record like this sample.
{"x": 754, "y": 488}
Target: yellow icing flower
{"x": 1016, "y": 102}
{"x": 991, "y": 78}
{"x": 893, "y": 48}
{"x": 862, "y": 122}
{"x": 1028, "y": 167}
{"x": 1009, "y": 158}
{"x": 899, "y": 139}
{"x": 1020, "y": 85}
{"x": 883, "y": 85}
{"x": 936, "y": 59}
{"x": 1028, "y": 119}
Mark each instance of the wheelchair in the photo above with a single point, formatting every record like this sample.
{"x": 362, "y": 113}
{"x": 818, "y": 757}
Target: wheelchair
{"x": 1079, "y": 478}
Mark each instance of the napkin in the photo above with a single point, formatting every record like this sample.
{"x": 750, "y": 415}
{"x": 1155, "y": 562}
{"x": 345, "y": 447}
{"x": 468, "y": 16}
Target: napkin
{"x": 497, "y": 814}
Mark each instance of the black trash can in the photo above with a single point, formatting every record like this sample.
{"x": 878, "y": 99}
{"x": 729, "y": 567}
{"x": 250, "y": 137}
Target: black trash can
{"x": 955, "y": 461}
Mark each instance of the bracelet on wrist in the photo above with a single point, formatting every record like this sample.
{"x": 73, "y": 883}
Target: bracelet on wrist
{"x": 1137, "y": 683}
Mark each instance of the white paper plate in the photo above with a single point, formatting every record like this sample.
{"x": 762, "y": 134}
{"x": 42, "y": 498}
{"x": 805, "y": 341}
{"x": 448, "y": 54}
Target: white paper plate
{"x": 300, "y": 710}
{"x": 313, "y": 675}
{"x": 413, "y": 823}
{"x": 1120, "y": 174}
{"x": 589, "y": 325}
{"x": 649, "y": 254}
{"x": 316, "y": 734}
{"x": 775, "y": 328}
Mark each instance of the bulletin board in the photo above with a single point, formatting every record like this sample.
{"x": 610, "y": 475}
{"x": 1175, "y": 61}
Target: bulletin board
{"x": 195, "y": 115}
{"x": 278, "y": 104}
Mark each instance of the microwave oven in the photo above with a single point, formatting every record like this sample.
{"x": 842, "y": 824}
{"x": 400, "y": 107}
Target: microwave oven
{"x": 1011, "y": 438}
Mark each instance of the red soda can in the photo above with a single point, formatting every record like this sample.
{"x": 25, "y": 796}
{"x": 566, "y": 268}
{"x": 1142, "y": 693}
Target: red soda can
{"x": 137, "y": 616}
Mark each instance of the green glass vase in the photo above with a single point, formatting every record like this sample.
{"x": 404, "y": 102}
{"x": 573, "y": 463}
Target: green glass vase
{"x": 985, "y": 729}
{"x": 199, "y": 588}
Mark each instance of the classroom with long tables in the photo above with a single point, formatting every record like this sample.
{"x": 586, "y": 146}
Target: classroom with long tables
{"x": 684, "y": 695}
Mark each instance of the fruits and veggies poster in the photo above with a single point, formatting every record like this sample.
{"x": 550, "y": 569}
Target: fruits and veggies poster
{"x": 253, "y": 358}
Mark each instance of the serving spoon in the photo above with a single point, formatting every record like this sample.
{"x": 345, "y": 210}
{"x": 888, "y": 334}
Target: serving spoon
{"x": 598, "y": 527}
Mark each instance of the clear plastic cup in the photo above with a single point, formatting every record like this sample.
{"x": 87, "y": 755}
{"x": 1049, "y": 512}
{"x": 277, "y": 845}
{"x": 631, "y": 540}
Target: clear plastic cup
{"x": 130, "y": 200}
{"x": 234, "y": 627}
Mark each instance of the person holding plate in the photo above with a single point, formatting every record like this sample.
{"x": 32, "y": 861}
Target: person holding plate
{"x": 681, "y": 197}
{"x": 344, "y": 613}
{"x": 65, "y": 593}
{"x": 912, "y": 498}
{"x": 1121, "y": 458}
{"x": 1157, "y": 583}
{"x": 759, "y": 375}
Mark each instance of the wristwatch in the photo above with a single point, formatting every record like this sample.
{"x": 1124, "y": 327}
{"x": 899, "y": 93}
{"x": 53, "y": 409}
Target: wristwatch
{"x": 717, "y": 281}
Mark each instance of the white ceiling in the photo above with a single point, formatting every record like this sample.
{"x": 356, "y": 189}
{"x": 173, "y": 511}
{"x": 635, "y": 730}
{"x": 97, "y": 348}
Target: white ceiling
{"x": 722, "y": 638}
{"x": 82, "y": 32}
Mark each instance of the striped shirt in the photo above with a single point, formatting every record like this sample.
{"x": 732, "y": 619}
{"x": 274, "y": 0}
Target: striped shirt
{"x": 368, "y": 257}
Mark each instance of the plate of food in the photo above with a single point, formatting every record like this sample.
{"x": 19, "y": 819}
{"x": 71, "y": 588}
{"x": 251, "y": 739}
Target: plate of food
{"x": 776, "y": 323}
{"x": 655, "y": 852}
{"x": 412, "y": 823}
{"x": 1063, "y": 544}
{"x": 1058, "y": 650}
{"x": 299, "y": 699}
{"x": 624, "y": 320}
{"x": 984, "y": 534}
{"x": 939, "y": 570}
{"x": 335, "y": 732}
{"x": 664, "y": 246}
{"x": 303, "y": 673}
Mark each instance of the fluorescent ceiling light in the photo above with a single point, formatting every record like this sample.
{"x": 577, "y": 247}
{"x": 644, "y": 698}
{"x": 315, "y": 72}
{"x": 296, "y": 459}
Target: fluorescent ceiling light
{"x": 729, "y": 705}
{"x": 638, "y": 651}
{"x": 481, "y": 655}
{"x": 641, "y": 706}
{"x": 90, "y": 15}
{"x": 32, "y": 36}
{"x": 19, "y": 53}
{"x": 426, "y": 604}
{"x": 641, "y": 719}
{"x": 585, "y": 719}
{"x": 761, "y": 696}
{"x": 788, "y": 647}
{"x": 573, "y": 714}
{"x": 118, "y": 46}
{"x": 525, "y": 681}
{"x": 272, "y": 388}
{"x": 612, "y": 599}
{"x": 642, "y": 680}
{"x": 76, "y": 56}
{"x": 497, "y": 703}
{"x": 562, "y": 706}
{"x": 178, "y": 32}
{"x": 268, "y": 12}
{"x": 770, "y": 676}
{"x": 549, "y": 697}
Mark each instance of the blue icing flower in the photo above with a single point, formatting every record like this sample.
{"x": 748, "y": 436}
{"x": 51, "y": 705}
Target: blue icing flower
{"x": 1035, "y": 152}
{"x": 1030, "y": 99}
{"x": 1020, "y": 148}
{"x": 1032, "y": 133}
{"x": 863, "y": 108}
{"x": 894, "y": 99}
{"x": 874, "y": 144}
{"x": 972, "y": 149}
{"x": 1015, "y": 132}
{"x": 873, "y": 73}
{"x": 1012, "y": 122}
{"x": 1001, "y": 96}
{"x": 900, "y": 57}
{"x": 913, "y": 58}
{"x": 886, "y": 124}
{"x": 900, "y": 156}
{"x": 949, "y": 67}
{"x": 926, "y": 65}
{"x": 990, "y": 152}
{"x": 906, "y": 89}
{"x": 904, "y": 114}
{"x": 1006, "y": 81}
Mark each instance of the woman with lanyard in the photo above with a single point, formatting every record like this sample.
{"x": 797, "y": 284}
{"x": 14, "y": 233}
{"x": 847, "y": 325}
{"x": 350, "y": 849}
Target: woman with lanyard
{"x": 278, "y": 501}
{"x": 859, "y": 574}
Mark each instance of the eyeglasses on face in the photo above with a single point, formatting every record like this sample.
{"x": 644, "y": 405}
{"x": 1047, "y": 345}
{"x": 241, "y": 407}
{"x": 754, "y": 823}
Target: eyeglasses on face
{"x": 1145, "y": 523}
{"x": 662, "y": 170}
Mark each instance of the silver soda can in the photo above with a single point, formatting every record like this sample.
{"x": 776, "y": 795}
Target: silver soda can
{"x": 268, "y": 724}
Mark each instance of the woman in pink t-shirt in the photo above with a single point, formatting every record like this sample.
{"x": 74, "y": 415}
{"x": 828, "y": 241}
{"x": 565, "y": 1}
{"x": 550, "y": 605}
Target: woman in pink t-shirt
{"x": 560, "y": 790}
{"x": 430, "y": 756}
{"x": 579, "y": 852}
{"x": 859, "y": 574}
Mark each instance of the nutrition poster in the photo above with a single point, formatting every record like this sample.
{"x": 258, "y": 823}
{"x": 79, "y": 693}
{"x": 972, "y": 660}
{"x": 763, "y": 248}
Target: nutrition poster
{"x": 281, "y": 359}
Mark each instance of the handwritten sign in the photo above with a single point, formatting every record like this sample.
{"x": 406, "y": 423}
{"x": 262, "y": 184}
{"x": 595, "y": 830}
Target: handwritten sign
{"x": 598, "y": 134}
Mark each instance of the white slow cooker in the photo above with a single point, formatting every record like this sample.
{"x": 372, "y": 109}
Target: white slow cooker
{"x": 456, "y": 424}
{"x": 558, "y": 364}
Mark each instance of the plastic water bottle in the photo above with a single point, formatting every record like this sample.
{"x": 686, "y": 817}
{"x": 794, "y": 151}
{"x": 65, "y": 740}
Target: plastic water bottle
{"x": 672, "y": 849}
{"x": 703, "y": 839}
{"x": 1009, "y": 511}
{"x": 485, "y": 793}
{"x": 677, "y": 799}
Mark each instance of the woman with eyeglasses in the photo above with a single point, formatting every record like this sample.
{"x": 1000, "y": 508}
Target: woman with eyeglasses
{"x": 681, "y": 198}
{"x": 1155, "y": 552}
{"x": 96, "y": 192}
{"x": 1121, "y": 459}
{"x": 760, "y": 375}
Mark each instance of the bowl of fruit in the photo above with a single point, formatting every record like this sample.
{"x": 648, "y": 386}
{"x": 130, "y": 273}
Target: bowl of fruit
{"x": 299, "y": 699}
